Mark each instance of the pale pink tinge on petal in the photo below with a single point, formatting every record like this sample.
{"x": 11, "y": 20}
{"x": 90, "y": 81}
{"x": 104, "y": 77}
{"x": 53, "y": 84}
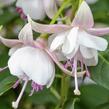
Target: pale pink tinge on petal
{"x": 84, "y": 17}
{"x": 87, "y": 53}
{"x": 50, "y": 7}
{"x": 10, "y": 42}
{"x": 98, "y": 31}
{"x": 92, "y": 41}
{"x": 43, "y": 28}
{"x": 92, "y": 61}
{"x": 26, "y": 33}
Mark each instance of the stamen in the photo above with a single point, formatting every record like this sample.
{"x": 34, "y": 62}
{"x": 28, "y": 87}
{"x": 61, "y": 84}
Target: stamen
{"x": 20, "y": 11}
{"x": 17, "y": 83}
{"x": 16, "y": 103}
{"x": 76, "y": 91}
{"x": 67, "y": 64}
{"x": 36, "y": 87}
{"x": 87, "y": 71}
{"x": 82, "y": 67}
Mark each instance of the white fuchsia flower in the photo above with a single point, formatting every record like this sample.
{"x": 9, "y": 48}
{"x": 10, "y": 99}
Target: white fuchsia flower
{"x": 79, "y": 41}
{"x": 37, "y": 9}
{"x": 26, "y": 63}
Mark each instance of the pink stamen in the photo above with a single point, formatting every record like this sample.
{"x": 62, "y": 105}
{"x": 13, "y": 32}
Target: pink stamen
{"x": 87, "y": 71}
{"x": 20, "y": 11}
{"x": 16, "y": 84}
{"x": 36, "y": 87}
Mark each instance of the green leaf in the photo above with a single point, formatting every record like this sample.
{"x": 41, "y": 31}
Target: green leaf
{"x": 7, "y": 16}
{"x": 93, "y": 96}
{"x": 6, "y": 84}
{"x": 100, "y": 73}
{"x": 43, "y": 97}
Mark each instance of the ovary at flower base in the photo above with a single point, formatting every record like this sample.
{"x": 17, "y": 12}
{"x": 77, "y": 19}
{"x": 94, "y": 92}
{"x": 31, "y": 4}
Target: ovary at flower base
{"x": 79, "y": 42}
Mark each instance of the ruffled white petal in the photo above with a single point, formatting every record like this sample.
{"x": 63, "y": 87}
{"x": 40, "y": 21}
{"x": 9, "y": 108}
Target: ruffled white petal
{"x": 34, "y": 63}
{"x": 34, "y": 8}
{"x": 88, "y": 53}
{"x": 70, "y": 41}
{"x": 58, "y": 40}
{"x": 26, "y": 33}
{"x": 50, "y": 7}
{"x": 83, "y": 16}
{"x": 73, "y": 53}
{"x": 91, "y": 41}
{"x": 57, "y": 52}
{"x": 92, "y": 61}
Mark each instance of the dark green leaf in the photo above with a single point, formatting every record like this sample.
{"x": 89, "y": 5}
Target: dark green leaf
{"x": 6, "y": 84}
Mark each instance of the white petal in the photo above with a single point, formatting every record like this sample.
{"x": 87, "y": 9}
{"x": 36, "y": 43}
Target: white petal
{"x": 88, "y": 53}
{"x": 26, "y": 33}
{"x": 58, "y": 40}
{"x": 70, "y": 41}
{"x": 91, "y": 41}
{"x": 92, "y": 61}
{"x": 51, "y": 80}
{"x": 34, "y": 8}
{"x": 83, "y": 16}
{"x": 73, "y": 53}
{"x": 50, "y": 7}
{"x": 58, "y": 52}
{"x": 35, "y": 63}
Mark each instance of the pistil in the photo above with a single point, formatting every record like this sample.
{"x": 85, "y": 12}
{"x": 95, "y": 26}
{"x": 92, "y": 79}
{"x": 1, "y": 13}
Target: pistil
{"x": 16, "y": 103}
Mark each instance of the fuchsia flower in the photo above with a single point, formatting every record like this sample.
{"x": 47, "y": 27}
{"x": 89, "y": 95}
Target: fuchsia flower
{"x": 37, "y": 9}
{"x": 31, "y": 60}
{"x": 26, "y": 63}
{"x": 78, "y": 41}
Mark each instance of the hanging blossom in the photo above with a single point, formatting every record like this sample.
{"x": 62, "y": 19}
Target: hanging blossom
{"x": 79, "y": 42}
{"x": 27, "y": 57}
{"x": 37, "y": 9}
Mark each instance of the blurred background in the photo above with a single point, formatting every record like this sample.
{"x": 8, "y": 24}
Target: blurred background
{"x": 94, "y": 95}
